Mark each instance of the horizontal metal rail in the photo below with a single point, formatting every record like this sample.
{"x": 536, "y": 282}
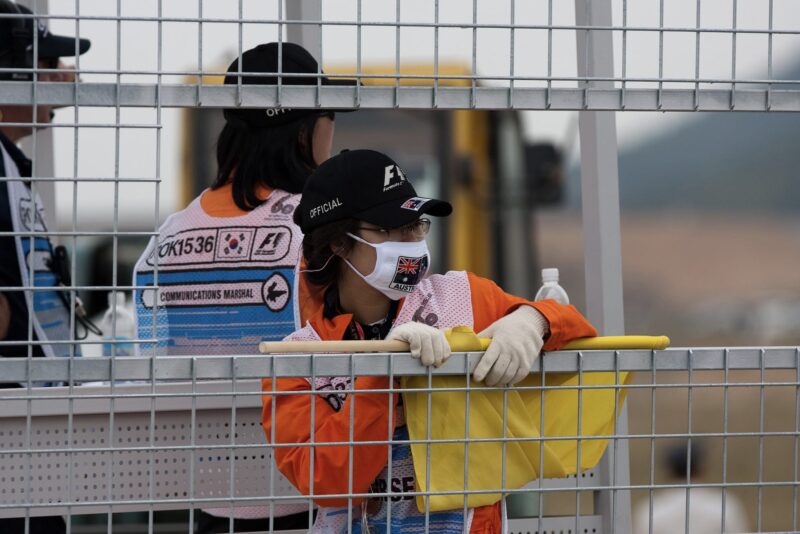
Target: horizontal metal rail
{"x": 300, "y": 365}
{"x": 555, "y": 98}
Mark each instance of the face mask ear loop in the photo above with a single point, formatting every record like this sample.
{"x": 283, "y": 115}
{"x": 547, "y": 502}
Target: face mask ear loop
{"x": 360, "y": 240}
{"x": 321, "y": 268}
{"x": 355, "y": 270}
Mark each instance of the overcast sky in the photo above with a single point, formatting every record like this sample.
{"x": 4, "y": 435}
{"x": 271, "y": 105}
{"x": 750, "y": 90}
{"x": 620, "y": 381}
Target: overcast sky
{"x": 139, "y": 51}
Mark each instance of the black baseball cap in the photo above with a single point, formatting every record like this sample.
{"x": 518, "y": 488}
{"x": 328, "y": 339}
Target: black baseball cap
{"x": 264, "y": 58}
{"x": 16, "y": 41}
{"x": 364, "y": 185}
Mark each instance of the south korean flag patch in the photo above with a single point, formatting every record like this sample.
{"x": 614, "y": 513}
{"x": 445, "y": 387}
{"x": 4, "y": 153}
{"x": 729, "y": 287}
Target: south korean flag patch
{"x": 408, "y": 273}
{"x": 414, "y": 204}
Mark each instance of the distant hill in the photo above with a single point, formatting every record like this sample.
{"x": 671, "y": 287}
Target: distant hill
{"x": 716, "y": 161}
{"x": 719, "y": 161}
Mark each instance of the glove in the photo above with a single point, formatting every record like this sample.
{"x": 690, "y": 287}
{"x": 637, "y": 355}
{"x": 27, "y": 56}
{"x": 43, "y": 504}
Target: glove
{"x": 517, "y": 340}
{"x": 427, "y": 343}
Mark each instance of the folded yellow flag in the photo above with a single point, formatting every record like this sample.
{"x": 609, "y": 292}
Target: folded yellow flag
{"x": 526, "y": 458}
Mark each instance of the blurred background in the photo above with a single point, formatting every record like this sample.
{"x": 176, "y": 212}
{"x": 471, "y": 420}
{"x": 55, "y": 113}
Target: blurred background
{"x": 710, "y": 211}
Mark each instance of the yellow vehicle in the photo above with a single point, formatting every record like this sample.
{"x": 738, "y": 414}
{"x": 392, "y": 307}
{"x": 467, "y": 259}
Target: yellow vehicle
{"x": 477, "y": 159}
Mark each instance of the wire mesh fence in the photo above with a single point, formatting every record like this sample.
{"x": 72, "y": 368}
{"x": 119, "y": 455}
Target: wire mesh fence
{"x": 186, "y": 433}
{"x": 699, "y": 55}
{"x": 189, "y": 434}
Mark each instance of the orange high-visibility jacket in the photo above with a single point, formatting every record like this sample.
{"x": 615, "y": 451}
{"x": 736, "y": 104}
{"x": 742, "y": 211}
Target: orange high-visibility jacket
{"x": 371, "y": 414}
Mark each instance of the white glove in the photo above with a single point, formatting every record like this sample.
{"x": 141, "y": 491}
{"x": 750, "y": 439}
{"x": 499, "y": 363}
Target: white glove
{"x": 426, "y": 343}
{"x": 517, "y": 340}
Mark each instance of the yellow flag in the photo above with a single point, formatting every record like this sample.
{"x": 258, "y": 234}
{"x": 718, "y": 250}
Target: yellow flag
{"x": 527, "y": 457}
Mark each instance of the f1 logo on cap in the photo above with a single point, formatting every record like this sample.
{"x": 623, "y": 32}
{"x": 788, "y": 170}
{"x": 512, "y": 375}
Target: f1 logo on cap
{"x": 392, "y": 177}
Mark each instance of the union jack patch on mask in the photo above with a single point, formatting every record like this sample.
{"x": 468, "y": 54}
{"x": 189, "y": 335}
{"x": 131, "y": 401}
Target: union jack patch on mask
{"x": 409, "y": 272}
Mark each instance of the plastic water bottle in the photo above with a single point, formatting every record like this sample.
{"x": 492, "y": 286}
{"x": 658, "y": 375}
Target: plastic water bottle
{"x": 124, "y": 328}
{"x": 550, "y": 288}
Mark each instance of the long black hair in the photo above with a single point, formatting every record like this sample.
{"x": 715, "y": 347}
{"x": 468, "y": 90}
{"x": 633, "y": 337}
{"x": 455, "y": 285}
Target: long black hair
{"x": 279, "y": 157}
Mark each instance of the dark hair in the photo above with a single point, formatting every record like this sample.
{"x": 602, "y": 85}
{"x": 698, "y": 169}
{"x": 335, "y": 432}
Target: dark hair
{"x": 678, "y": 460}
{"x": 279, "y": 157}
{"x": 318, "y": 253}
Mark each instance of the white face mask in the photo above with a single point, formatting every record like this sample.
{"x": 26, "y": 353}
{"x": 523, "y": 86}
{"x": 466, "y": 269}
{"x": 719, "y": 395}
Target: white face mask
{"x": 399, "y": 266}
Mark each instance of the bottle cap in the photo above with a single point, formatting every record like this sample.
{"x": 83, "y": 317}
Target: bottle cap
{"x": 550, "y": 275}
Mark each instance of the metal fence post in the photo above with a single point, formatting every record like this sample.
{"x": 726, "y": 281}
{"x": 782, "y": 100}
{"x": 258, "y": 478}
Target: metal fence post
{"x": 601, "y": 233}
{"x": 307, "y": 35}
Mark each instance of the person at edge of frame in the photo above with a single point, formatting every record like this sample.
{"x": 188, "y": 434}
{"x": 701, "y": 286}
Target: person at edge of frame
{"x": 364, "y": 242}
{"x": 234, "y": 249}
{"x": 21, "y": 210}
{"x": 703, "y": 504}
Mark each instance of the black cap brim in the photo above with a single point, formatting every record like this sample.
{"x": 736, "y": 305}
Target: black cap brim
{"x": 394, "y": 215}
{"x": 55, "y": 46}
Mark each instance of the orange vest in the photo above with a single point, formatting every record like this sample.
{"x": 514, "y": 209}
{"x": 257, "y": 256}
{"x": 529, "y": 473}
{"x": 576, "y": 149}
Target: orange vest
{"x": 439, "y": 302}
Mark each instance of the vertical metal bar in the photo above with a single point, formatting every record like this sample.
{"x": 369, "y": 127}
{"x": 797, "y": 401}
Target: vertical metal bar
{"x": 762, "y": 393}
{"x": 769, "y": 63}
{"x": 600, "y": 179}
{"x": 312, "y": 433}
{"x": 549, "y": 97}
{"x": 542, "y": 443}
{"x": 239, "y": 46}
{"x": 159, "y": 62}
{"x": 307, "y": 35}
{"x": 503, "y": 507}
{"x": 115, "y": 219}
{"x": 725, "y": 437}
{"x": 615, "y": 447}
{"x": 625, "y": 52}
{"x": 734, "y": 38}
{"x": 390, "y": 445}
{"x": 232, "y": 450}
{"x": 397, "y": 55}
{"x": 465, "y": 509}
{"x": 358, "y": 52}
{"x": 796, "y": 435}
{"x": 29, "y": 295}
{"x": 428, "y": 451}
{"x": 601, "y": 223}
{"x": 192, "y": 442}
{"x": 73, "y": 257}
{"x": 199, "y": 65}
{"x": 512, "y": 35}
{"x": 652, "y": 442}
{"x": 113, "y": 361}
{"x": 111, "y": 435}
{"x": 436, "y": 54}
{"x": 473, "y": 81}
{"x": 660, "y": 53}
{"x": 579, "y": 434}
{"x": 152, "y": 448}
{"x": 697, "y": 57}
{"x": 351, "y": 430}
{"x": 272, "y": 462}
{"x": 689, "y": 443}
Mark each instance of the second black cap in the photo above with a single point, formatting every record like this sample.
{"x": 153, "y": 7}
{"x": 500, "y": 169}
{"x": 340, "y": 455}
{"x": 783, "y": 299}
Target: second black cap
{"x": 294, "y": 59}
